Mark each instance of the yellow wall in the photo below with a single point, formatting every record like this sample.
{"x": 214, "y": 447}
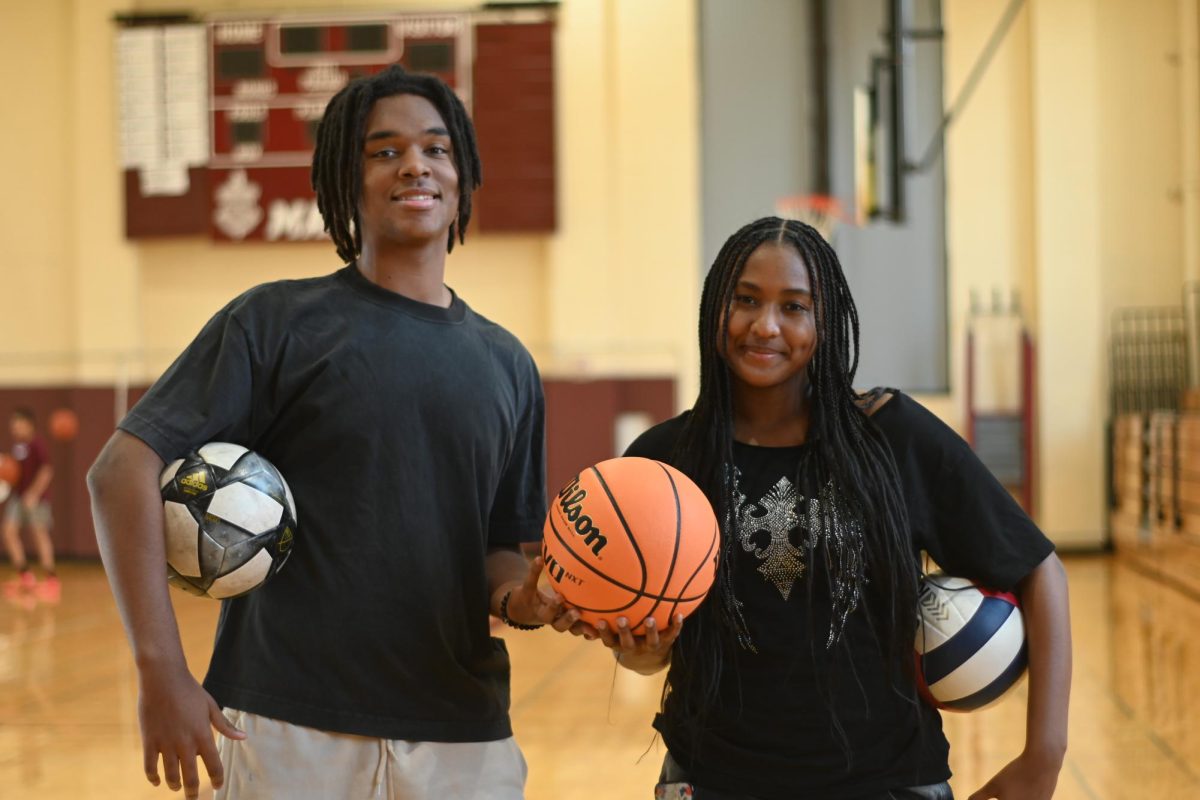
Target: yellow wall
{"x": 110, "y": 307}
{"x": 1073, "y": 175}
{"x": 1188, "y": 63}
{"x": 1068, "y": 264}
{"x": 1140, "y": 152}
{"x": 104, "y": 268}
{"x": 36, "y": 209}
{"x": 989, "y": 178}
{"x": 1065, "y": 178}
{"x": 624, "y": 288}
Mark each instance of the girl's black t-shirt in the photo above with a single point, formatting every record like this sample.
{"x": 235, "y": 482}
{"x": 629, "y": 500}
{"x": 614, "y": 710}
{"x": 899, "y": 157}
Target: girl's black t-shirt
{"x": 772, "y": 735}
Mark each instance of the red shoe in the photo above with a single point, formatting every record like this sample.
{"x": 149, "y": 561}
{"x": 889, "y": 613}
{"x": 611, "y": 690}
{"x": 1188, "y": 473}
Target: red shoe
{"x": 50, "y": 589}
{"x": 22, "y": 584}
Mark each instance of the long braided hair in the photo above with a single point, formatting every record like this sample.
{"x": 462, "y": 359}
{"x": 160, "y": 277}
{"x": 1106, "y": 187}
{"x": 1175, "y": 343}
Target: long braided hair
{"x": 863, "y": 514}
{"x": 337, "y": 160}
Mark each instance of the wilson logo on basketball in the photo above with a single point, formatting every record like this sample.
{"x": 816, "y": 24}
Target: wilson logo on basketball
{"x": 570, "y": 500}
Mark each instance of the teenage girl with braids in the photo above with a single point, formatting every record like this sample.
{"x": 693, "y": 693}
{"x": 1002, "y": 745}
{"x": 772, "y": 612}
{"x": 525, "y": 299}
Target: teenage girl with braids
{"x": 410, "y": 430}
{"x": 794, "y": 680}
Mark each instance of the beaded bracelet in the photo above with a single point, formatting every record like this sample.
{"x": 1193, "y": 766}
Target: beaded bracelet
{"x": 504, "y": 615}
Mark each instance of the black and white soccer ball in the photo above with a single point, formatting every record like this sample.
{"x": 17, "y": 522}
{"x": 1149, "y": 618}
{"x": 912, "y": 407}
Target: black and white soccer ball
{"x": 230, "y": 520}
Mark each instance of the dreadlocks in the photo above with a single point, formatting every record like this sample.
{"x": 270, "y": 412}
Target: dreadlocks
{"x": 337, "y": 160}
{"x": 848, "y": 459}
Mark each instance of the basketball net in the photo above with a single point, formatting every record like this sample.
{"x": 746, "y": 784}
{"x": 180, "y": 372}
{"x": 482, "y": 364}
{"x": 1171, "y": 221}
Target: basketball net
{"x": 822, "y": 212}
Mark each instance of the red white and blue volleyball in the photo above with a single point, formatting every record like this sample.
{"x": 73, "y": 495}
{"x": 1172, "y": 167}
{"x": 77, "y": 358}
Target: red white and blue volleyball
{"x": 970, "y": 644}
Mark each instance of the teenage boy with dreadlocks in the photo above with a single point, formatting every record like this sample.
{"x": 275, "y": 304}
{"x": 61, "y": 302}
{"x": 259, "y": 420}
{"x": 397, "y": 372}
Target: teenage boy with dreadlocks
{"x": 411, "y": 432}
{"x": 795, "y": 678}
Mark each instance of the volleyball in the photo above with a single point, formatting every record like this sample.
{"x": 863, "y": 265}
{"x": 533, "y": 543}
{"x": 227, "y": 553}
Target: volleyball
{"x": 970, "y": 645}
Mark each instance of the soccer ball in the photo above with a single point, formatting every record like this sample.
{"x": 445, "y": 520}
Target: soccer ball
{"x": 230, "y": 520}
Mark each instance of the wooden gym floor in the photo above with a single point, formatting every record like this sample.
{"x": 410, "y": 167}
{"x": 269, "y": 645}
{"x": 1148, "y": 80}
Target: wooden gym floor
{"x": 68, "y": 724}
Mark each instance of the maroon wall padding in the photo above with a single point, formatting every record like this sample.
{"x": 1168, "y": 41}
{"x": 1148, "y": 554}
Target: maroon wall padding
{"x": 72, "y": 532}
{"x": 513, "y": 110}
{"x": 580, "y": 418}
{"x": 166, "y": 215}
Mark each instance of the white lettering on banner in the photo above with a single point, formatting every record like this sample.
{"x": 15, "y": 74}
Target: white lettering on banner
{"x": 309, "y": 111}
{"x": 238, "y": 33}
{"x": 294, "y": 221}
{"x": 257, "y": 89}
{"x": 248, "y": 113}
{"x": 429, "y": 27}
{"x": 323, "y": 78}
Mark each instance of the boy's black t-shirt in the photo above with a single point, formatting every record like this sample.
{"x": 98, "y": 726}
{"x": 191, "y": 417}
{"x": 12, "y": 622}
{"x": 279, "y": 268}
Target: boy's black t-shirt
{"x": 412, "y": 439}
{"x": 772, "y": 735}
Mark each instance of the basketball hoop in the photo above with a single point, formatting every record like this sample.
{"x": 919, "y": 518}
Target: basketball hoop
{"x": 818, "y": 210}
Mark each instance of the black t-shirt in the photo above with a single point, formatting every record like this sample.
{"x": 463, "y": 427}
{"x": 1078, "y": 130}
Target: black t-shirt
{"x": 771, "y": 735}
{"x": 412, "y": 437}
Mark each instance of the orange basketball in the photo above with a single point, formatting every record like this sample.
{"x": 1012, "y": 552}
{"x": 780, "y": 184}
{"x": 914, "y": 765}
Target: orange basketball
{"x": 10, "y": 470}
{"x": 64, "y": 424}
{"x": 632, "y": 538}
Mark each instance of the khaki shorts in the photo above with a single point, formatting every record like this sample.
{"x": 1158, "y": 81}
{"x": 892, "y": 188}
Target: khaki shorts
{"x": 281, "y": 760}
{"x": 16, "y": 512}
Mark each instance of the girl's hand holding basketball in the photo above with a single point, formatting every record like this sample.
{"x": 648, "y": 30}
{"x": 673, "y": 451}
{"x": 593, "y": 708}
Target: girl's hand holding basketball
{"x": 645, "y": 654}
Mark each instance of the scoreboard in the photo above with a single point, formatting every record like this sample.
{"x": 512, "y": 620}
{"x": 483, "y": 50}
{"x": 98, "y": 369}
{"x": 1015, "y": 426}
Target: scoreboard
{"x": 219, "y": 117}
{"x": 270, "y": 82}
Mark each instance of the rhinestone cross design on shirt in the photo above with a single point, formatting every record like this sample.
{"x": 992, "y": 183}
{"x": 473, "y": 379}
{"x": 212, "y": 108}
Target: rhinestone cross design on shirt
{"x": 775, "y": 514}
